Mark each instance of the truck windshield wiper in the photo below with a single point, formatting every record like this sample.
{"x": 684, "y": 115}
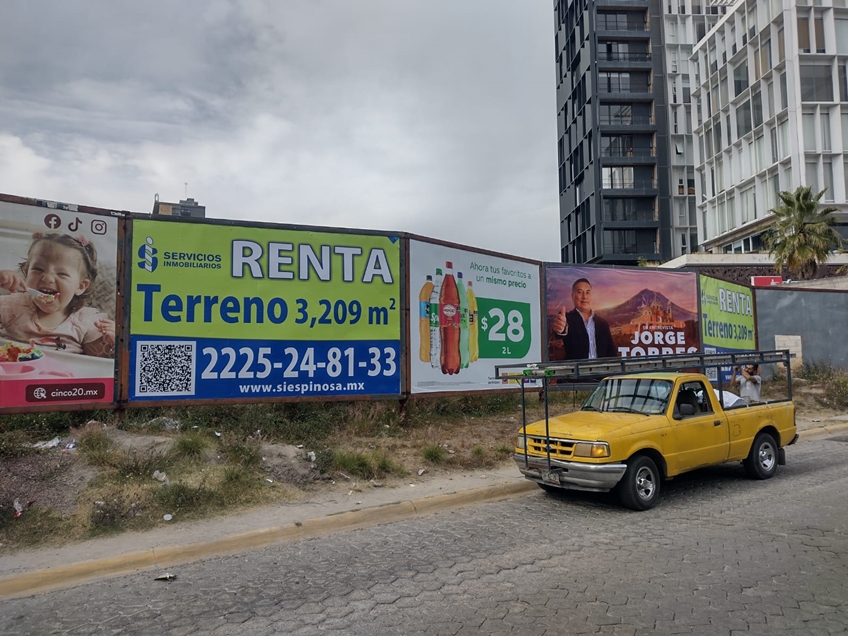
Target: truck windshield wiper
{"x": 624, "y": 409}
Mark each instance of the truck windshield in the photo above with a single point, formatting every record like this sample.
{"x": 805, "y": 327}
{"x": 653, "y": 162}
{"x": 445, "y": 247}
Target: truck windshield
{"x": 630, "y": 395}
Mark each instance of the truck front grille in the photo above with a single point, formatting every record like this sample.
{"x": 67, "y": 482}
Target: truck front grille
{"x": 560, "y": 448}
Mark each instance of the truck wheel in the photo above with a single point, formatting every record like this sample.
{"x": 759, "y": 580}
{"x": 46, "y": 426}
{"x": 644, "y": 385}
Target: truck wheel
{"x": 761, "y": 463}
{"x": 640, "y": 486}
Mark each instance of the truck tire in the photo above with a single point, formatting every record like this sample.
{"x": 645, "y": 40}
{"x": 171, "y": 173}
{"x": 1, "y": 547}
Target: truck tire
{"x": 761, "y": 462}
{"x": 640, "y": 486}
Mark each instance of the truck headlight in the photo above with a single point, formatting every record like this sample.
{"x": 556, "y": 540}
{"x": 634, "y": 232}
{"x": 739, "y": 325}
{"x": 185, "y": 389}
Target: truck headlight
{"x": 590, "y": 449}
{"x": 520, "y": 442}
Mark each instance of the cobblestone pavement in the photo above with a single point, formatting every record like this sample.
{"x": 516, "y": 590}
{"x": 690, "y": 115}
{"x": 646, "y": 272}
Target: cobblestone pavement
{"x": 720, "y": 555}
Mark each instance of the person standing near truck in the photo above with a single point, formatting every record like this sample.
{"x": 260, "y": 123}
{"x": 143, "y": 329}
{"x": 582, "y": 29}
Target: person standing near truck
{"x": 749, "y": 380}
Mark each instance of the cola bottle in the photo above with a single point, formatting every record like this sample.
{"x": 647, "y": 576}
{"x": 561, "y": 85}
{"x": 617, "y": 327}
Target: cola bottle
{"x": 449, "y": 318}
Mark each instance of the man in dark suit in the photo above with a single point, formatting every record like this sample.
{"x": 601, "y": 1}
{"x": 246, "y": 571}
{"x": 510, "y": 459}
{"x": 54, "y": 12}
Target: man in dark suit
{"x": 583, "y": 332}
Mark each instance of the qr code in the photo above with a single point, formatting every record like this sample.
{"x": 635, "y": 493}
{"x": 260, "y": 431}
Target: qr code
{"x": 712, "y": 373}
{"x": 164, "y": 368}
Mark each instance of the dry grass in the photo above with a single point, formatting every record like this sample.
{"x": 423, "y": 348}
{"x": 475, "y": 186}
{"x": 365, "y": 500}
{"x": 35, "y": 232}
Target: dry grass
{"x": 209, "y": 475}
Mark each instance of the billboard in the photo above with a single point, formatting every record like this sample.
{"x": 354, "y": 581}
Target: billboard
{"x": 229, "y": 311}
{"x": 58, "y": 278}
{"x": 727, "y": 319}
{"x": 468, "y": 312}
{"x": 600, "y": 312}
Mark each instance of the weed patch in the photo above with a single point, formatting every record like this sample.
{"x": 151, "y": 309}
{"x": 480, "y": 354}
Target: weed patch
{"x": 434, "y": 454}
{"x": 191, "y": 446}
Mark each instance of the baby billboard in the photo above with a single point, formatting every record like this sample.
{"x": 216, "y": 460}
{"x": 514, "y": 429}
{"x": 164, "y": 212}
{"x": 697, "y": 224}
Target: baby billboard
{"x": 605, "y": 313}
{"x": 229, "y": 311}
{"x": 469, "y": 312}
{"x": 58, "y": 272}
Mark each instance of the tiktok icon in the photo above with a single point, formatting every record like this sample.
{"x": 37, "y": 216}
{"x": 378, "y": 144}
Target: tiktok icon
{"x": 148, "y": 255}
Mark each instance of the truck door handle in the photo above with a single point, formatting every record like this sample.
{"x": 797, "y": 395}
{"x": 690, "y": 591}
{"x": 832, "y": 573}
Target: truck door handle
{"x": 717, "y": 422}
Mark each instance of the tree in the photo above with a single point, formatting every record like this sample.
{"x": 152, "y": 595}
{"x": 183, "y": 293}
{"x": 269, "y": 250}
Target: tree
{"x": 802, "y": 235}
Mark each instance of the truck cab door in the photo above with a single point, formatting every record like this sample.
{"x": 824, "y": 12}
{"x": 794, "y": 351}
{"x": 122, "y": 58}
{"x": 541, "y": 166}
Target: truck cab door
{"x": 699, "y": 429}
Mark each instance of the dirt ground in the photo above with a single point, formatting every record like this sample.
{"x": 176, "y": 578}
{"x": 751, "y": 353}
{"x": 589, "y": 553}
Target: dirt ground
{"x": 57, "y": 478}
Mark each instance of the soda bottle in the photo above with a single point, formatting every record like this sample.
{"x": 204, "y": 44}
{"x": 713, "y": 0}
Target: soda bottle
{"x": 464, "y": 351}
{"x": 424, "y": 319}
{"x": 449, "y": 314}
{"x": 473, "y": 319}
{"x": 435, "y": 339}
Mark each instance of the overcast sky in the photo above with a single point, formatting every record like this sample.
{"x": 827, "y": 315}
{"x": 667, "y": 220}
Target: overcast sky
{"x": 433, "y": 117}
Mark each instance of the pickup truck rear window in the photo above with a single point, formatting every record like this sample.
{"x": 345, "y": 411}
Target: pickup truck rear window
{"x": 631, "y": 395}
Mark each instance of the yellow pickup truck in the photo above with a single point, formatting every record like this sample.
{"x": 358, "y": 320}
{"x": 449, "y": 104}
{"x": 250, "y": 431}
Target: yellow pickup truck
{"x": 636, "y": 430}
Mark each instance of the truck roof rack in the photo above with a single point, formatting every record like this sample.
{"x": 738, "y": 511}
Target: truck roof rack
{"x": 577, "y": 370}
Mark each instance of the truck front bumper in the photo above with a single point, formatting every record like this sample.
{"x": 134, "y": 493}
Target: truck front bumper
{"x": 570, "y": 475}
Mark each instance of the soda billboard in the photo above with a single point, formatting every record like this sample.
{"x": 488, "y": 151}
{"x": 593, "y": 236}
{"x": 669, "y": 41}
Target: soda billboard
{"x": 229, "y": 311}
{"x": 597, "y": 312}
{"x": 727, "y": 318}
{"x": 468, "y": 312}
{"x": 58, "y": 277}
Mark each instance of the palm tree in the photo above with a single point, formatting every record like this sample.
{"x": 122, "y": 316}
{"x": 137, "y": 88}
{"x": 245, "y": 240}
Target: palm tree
{"x": 802, "y": 235}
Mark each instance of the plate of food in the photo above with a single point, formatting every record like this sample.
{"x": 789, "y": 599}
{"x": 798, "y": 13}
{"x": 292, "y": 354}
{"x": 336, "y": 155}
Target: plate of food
{"x": 20, "y": 361}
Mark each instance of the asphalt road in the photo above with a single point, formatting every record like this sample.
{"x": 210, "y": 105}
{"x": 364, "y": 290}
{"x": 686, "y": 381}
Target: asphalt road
{"x": 720, "y": 555}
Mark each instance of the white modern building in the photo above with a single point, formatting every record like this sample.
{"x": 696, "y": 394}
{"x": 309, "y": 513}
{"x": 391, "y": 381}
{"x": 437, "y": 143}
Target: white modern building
{"x": 684, "y": 23}
{"x": 770, "y": 113}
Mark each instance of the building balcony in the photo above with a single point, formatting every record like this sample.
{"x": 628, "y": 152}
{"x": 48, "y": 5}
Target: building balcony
{"x": 615, "y": 61}
{"x": 627, "y": 122}
{"x": 624, "y": 56}
{"x": 620, "y": 26}
{"x": 625, "y": 92}
{"x": 629, "y": 153}
{"x": 630, "y": 187}
{"x": 611, "y": 4}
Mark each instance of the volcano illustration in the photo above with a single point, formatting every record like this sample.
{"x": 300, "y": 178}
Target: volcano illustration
{"x": 637, "y": 305}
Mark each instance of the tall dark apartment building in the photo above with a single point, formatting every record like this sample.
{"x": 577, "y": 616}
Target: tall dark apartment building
{"x": 626, "y": 175}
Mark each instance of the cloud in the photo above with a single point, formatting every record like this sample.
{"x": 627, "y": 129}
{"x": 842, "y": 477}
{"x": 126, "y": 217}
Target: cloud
{"x": 436, "y": 118}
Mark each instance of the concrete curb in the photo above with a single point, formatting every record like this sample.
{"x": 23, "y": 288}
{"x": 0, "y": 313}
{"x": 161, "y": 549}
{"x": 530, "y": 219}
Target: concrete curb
{"x": 44, "y": 580}
{"x": 61, "y": 576}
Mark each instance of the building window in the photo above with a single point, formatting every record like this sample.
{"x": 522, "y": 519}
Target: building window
{"x": 843, "y": 84}
{"x": 809, "y": 127}
{"x": 841, "y": 36}
{"x": 804, "y": 35}
{"x": 757, "y": 108}
{"x": 631, "y": 242}
{"x": 825, "y": 130}
{"x": 740, "y": 78}
{"x": 617, "y": 177}
{"x": 812, "y": 175}
{"x": 818, "y": 27}
{"x": 816, "y": 83}
{"x": 765, "y": 56}
{"x": 773, "y": 138}
{"x": 827, "y": 173}
{"x": 743, "y": 118}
